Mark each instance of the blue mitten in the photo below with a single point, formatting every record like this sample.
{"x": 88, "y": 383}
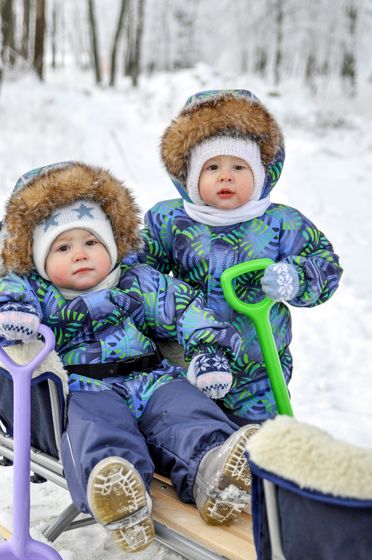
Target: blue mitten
{"x": 17, "y": 325}
{"x": 211, "y": 374}
{"x": 280, "y": 282}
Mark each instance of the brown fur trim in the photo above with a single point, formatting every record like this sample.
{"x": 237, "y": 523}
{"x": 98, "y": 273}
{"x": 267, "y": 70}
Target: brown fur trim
{"x": 227, "y": 115}
{"x": 39, "y": 198}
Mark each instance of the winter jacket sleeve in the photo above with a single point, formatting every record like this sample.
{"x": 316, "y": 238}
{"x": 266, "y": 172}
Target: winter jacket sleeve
{"x": 16, "y": 294}
{"x": 309, "y": 251}
{"x": 174, "y": 310}
{"x": 154, "y": 251}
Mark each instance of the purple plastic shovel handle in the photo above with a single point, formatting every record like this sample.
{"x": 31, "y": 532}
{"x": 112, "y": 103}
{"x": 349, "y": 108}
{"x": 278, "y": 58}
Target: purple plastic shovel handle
{"x": 21, "y": 545}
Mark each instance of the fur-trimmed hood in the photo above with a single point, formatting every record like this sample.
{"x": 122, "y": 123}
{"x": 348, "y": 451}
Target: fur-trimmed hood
{"x": 236, "y": 113}
{"x": 41, "y": 191}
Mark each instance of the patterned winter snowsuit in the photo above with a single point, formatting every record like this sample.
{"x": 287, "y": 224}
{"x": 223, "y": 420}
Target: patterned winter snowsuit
{"x": 198, "y": 253}
{"x": 146, "y": 417}
{"x": 116, "y": 324}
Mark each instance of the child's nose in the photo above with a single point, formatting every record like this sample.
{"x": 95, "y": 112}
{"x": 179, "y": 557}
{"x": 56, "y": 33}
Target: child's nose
{"x": 80, "y": 255}
{"x": 225, "y": 175}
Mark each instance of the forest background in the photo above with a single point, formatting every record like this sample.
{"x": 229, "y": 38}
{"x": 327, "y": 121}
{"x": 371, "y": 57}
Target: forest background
{"x": 317, "y": 43}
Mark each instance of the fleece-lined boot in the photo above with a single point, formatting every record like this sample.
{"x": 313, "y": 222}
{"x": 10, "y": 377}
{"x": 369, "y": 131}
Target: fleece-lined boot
{"x": 223, "y": 480}
{"x": 118, "y": 500}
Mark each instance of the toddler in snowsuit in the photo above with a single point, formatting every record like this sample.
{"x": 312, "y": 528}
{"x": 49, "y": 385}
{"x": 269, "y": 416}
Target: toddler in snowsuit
{"x": 224, "y": 153}
{"x": 67, "y": 228}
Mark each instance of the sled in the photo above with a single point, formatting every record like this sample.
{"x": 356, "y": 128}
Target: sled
{"x": 4, "y": 533}
{"x": 178, "y": 525}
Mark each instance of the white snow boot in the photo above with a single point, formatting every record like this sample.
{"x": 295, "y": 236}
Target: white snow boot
{"x": 118, "y": 500}
{"x": 223, "y": 480}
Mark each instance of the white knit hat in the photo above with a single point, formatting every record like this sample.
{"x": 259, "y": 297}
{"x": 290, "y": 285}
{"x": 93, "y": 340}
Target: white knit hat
{"x": 242, "y": 148}
{"x": 84, "y": 214}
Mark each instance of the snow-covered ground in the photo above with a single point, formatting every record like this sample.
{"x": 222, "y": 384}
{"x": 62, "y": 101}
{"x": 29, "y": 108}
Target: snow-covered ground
{"x": 327, "y": 177}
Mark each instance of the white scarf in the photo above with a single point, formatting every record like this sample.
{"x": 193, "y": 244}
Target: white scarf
{"x": 216, "y": 217}
{"x": 107, "y": 283}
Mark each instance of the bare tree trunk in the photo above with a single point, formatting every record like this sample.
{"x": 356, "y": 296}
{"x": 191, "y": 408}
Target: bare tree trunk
{"x": 261, "y": 58}
{"x": 159, "y": 52}
{"x": 119, "y": 29}
{"x": 11, "y": 34}
{"x": 39, "y": 38}
{"x": 62, "y": 34}
{"x": 279, "y": 13}
{"x": 131, "y": 30}
{"x": 165, "y": 35}
{"x": 2, "y": 40}
{"x": 94, "y": 41}
{"x": 54, "y": 33}
{"x": 348, "y": 69}
{"x": 128, "y": 47}
{"x": 311, "y": 68}
{"x": 7, "y": 32}
{"x": 184, "y": 13}
{"x": 26, "y": 29}
{"x": 138, "y": 44}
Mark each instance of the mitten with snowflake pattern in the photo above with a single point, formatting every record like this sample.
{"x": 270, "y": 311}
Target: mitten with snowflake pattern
{"x": 211, "y": 374}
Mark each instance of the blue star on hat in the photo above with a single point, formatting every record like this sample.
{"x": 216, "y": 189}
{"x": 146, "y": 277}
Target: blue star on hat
{"x": 51, "y": 221}
{"x": 84, "y": 211}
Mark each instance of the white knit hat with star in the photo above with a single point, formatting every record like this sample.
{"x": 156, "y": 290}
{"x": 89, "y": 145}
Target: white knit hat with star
{"x": 242, "y": 148}
{"x": 84, "y": 214}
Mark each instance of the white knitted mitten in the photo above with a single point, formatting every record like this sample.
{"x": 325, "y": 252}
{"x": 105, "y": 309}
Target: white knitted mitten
{"x": 17, "y": 325}
{"x": 211, "y": 374}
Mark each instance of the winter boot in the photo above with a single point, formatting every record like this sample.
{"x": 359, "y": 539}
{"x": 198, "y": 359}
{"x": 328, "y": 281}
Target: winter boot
{"x": 223, "y": 480}
{"x": 118, "y": 500}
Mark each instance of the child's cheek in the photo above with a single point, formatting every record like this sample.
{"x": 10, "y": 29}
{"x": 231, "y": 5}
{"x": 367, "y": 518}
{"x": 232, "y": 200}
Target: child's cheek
{"x": 57, "y": 274}
{"x": 59, "y": 277}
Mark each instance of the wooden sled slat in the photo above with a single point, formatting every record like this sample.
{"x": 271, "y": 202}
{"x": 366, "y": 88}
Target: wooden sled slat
{"x": 234, "y": 542}
{"x": 4, "y": 533}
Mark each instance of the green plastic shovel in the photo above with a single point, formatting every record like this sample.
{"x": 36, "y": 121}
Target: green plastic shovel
{"x": 259, "y": 313}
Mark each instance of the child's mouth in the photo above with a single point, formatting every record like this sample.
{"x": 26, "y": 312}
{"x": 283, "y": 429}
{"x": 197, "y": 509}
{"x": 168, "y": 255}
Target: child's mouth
{"x": 82, "y": 270}
{"x": 225, "y": 193}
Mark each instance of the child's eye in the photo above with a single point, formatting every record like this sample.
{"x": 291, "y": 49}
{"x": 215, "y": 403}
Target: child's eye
{"x": 63, "y": 248}
{"x": 212, "y": 167}
{"x": 239, "y": 167}
{"x": 91, "y": 242}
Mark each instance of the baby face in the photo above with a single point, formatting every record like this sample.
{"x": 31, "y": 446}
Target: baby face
{"x": 226, "y": 182}
{"x": 77, "y": 260}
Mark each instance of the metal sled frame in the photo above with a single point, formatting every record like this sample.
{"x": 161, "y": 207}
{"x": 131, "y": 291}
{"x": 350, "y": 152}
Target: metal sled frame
{"x": 178, "y": 526}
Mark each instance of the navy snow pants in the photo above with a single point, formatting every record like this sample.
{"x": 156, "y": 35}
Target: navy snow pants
{"x": 178, "y": 426}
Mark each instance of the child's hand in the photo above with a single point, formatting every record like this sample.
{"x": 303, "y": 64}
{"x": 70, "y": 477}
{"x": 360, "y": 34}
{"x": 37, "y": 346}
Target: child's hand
{"x": 17, "y": 325}
{"x": 211, "y": 374}
{"x": 280, "y": 282}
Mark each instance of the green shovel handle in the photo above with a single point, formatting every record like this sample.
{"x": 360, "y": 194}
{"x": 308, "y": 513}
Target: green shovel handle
{"x": 259, "y": 313}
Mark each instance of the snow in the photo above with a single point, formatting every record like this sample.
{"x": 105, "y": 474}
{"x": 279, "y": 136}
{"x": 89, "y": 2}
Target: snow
{"x": 326, "y": 176}
{"x": 233, "y": 494}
